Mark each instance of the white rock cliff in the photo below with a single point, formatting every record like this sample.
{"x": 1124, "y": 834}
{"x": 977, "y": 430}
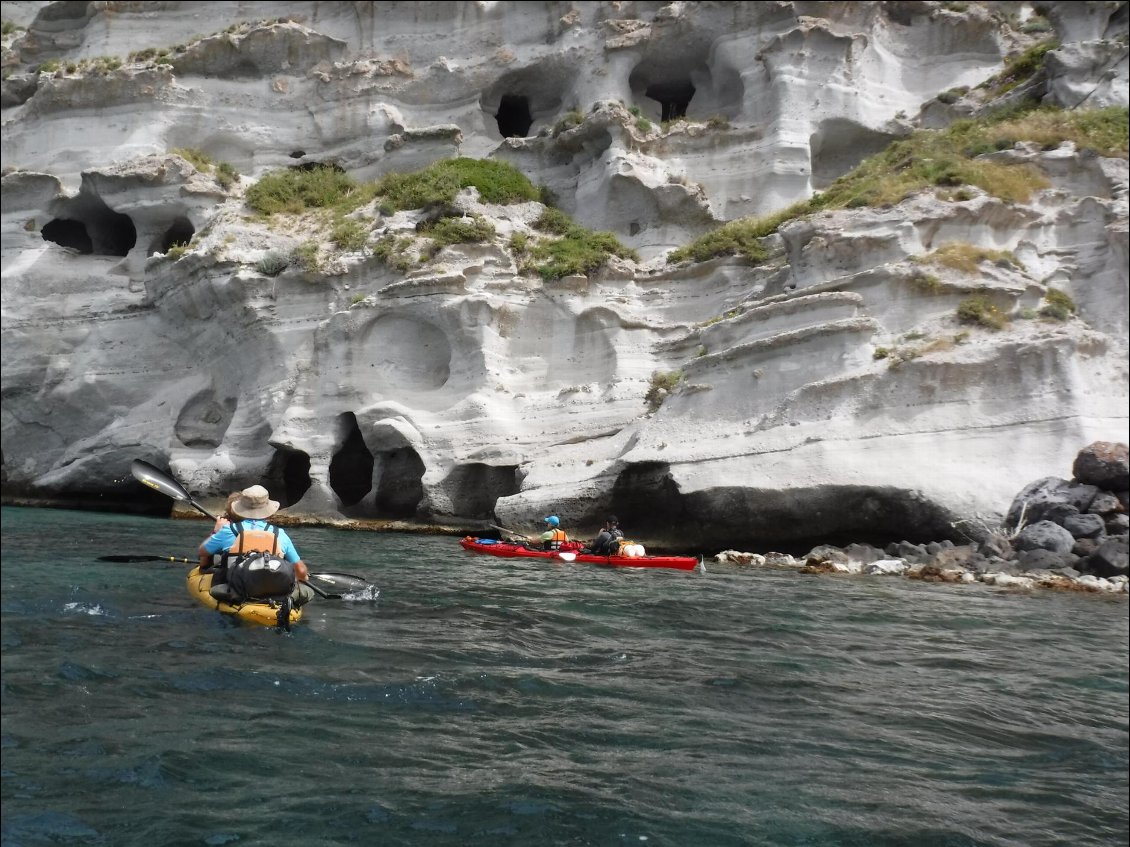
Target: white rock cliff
{"x": 825, "y": 393}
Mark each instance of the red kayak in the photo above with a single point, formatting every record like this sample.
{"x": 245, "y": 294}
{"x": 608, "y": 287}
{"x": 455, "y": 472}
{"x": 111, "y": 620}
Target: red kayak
{"x": 509, "y": 550}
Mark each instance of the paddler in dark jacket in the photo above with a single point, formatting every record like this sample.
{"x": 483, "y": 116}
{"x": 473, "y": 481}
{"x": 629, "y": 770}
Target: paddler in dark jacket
{"x": 607, "y": 541}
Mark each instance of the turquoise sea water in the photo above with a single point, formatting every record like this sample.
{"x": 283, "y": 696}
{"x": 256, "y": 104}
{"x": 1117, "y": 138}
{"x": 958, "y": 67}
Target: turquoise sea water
{"x": 486, "y": 702}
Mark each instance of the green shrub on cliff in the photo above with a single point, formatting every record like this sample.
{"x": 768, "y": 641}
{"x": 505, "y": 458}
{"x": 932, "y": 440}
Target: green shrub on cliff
{"x": 497, "y": 182}
{"x": 981, "y": 311}
{"x": 1020, "y": 69}
{"x": 576, "y": 251}
{"x": 294, "y": 190}
{"x": 940, "y": 159}
{"x": 472, "y": 230}
{"x": 1058, "y": 305}
{"x": 966, "y": 257}
{"x": 660, "y": 386}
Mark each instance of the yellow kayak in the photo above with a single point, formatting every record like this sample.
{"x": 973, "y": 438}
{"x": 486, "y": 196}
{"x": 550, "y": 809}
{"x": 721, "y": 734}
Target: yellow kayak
{"x": 257, "y": 612}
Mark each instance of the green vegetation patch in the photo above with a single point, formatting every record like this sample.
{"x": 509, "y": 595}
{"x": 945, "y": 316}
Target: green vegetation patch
{"x": 497, "y": 182}
{"x": 981, "y": 311}
{"x": 1020, "y": 69}
{"x": 197, "y": 158}
{"x": 294, "y": 190}
{"x": 737, "y": 238}
{"x": 942, "y": 159}
{"x": 349, "y": 234}
{"x": 661, "y": 385}
{"x": 966, "y": 257}
{"x": 1058, "y": 305}
{"x": 472, "y": 230}
{"x": 577, "y": 251}
{"x": 272, "y": 264}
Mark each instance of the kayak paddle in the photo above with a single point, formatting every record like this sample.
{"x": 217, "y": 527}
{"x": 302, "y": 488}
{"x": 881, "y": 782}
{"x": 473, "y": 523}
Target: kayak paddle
{"x": 332, "y": 586}
{"x": 510, "y": 531}
{"x": 158, "y": 480}
{"x": 148, "y": 559}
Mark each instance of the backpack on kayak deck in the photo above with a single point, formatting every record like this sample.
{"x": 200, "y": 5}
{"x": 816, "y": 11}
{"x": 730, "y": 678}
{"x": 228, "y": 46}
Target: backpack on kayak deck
{"x": 261, "y": 574}
{"x": 255, "y": 568}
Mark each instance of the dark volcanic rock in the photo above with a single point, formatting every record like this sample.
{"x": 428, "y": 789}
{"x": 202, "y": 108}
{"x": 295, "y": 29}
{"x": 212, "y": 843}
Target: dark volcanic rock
{"x": 1045, "y": 560}
{"x": 1050, "y": 498}
{"x": 1103, "y": 464}
{"x": 1110, "y": 559}
{"x": 1085, "y": 526}
{"x": 1044, "y": 535}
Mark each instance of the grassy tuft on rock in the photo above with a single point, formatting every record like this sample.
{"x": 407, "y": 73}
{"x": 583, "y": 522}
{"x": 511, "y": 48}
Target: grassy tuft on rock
{"x": 576, "y": 251}
{"x": 939, "y": 159}
{"x": 980, "y": 311}
{"x": 294, "y": 190}
{"x": 497, "y": 182}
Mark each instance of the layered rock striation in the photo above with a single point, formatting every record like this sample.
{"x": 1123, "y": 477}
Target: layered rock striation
{"x": 831, "y": 389}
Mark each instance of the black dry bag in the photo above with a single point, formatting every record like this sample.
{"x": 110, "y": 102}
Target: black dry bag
{"x": 261, "y": 575}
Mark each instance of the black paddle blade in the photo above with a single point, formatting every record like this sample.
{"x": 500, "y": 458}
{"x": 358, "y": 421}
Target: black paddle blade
{"x": 158, "y": 480}
{"x": 334, "y": 586}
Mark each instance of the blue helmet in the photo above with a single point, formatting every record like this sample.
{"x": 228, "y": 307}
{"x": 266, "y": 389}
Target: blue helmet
{"x": 553, "y": 520}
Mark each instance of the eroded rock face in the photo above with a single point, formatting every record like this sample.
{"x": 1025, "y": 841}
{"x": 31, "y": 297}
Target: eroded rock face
{"x": 829, "y": 392}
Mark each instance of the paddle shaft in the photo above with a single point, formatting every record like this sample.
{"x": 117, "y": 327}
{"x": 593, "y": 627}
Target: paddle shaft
{"x": 511, "y": 531}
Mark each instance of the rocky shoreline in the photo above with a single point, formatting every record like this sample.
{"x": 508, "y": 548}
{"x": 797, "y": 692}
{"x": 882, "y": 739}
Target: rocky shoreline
{"x": 1069, "y": 535}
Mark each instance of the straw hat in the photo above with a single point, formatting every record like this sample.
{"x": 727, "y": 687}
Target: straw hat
{"x": 255, "y": 502}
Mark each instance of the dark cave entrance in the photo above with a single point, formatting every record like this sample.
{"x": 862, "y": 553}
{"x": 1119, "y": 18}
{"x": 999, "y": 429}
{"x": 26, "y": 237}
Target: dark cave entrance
{"x": 68, "y": 233}
{"x": 351, "y": 468}
{"x": 88, "y": 225}
{"x": 288, "y": 475}
{"x": 514, "y": 119}
{"x": 401, "y": 487}
{"x": 673, "y": 96}
{"x": 475, "y": 488}
{"x": 179, "y": 232}
{"x": 646, "y": 498}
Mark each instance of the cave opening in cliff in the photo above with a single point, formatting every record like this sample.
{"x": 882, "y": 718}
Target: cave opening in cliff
{"x": 514, "y": 118}
{"x": 109, "y": 233}
{"x": 647, "y": 500}
{"x": 673, "y": 96}
{"x": 474, "y": 488}
{"x": 351, "y": 468}
{"x": 67, "y": 233}
{"x": 288, "y": 475}
{"x": 400, "y": 487}
{"x": 180, "y": 232}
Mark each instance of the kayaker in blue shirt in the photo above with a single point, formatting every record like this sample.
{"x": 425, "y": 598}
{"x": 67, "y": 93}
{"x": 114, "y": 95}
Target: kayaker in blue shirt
{"x": 250, "y": 511}
{"x": 553, "y": 536}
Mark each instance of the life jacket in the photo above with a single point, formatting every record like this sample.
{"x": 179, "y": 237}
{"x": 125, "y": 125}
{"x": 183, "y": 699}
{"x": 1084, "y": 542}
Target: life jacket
{"x": 254, "y": 567}
{"x": 555, "y": 540}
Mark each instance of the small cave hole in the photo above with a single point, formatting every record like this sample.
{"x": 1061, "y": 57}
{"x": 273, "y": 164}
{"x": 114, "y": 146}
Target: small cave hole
{"x": 180, "y": 232}
{"x": 351, "y": 468}
{"x": 68, "y": 233}
{"x": 634, "y": 228}
{"x": 297, "y": 154}
{"x": 673, "y": 97}
{"x": 514, "y": 119}
{"x": 288, "y": 475}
